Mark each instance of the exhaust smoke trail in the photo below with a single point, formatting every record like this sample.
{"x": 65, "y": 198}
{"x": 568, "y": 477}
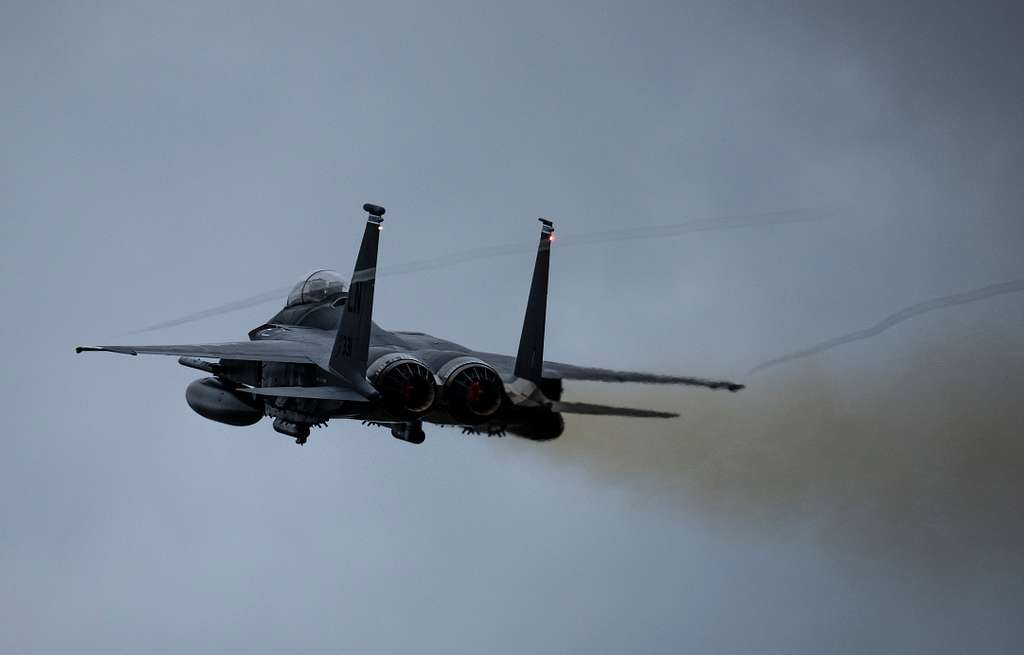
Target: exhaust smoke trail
{"x": 1013, "y": 286}
{"x": 924, "y": 476}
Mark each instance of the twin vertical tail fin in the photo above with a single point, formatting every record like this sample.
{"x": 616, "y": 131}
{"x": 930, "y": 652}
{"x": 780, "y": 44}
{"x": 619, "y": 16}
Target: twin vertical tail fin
{"x": 530, "y": 358}
{"x": 352, "y": 342}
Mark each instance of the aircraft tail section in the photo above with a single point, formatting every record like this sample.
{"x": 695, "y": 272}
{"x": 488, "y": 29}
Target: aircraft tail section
{"x": 530, "y": 358}
{"x": 352, "y": 343}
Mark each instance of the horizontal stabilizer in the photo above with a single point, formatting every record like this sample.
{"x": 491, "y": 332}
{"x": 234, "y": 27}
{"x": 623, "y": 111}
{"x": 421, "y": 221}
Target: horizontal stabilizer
{"x": 606, "y": 410}
{"x": 314, "y": 393}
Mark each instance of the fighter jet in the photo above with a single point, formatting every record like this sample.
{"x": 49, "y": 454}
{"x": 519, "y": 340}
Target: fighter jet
{"x": 322, "y": 357}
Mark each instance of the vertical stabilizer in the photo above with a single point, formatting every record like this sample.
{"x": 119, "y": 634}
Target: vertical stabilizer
{"x": 352, "y": 343}
{"x": 530, "y": 359}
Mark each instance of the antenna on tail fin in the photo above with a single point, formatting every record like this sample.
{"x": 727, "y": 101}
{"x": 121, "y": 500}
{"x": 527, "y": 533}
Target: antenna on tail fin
{"x": 530, "y": 358}
{"x": 352, "y": 342}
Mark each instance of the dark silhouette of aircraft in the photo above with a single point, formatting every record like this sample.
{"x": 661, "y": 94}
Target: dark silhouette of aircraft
{"x": 322, "y": 357}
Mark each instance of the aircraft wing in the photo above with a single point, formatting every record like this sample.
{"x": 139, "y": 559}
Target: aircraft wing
{"x": 607, "y": 410}
{"x": 505, "y": 365}
{"x": 529, "y": 363}
{"x": 571, "y": 372}
{"x": 266, "y": 350}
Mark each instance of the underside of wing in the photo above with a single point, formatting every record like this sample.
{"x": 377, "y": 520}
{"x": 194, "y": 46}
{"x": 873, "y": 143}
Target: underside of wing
{"x": 606, "y": 410}
{"x": 313, "y": 393}
{"x": 267, "y": 350}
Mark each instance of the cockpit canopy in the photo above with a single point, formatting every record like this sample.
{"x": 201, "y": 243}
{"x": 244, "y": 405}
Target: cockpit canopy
{"x": 316, "y": 286}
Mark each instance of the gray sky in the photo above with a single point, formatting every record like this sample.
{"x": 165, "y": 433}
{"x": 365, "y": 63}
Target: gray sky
{"x": 159, "y": 160}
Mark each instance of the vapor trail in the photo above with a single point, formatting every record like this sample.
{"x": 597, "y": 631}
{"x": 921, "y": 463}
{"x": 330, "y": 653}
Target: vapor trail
{"x": 905, "y": 314}
{"x": 606, "y": 236}
{"x": 783, "y": 217}
{"x": 238, "y": 305}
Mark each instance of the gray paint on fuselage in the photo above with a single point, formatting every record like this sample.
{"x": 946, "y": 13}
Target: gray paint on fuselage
{"x": 318, "y": 322}
{"x": 325, "y": 315}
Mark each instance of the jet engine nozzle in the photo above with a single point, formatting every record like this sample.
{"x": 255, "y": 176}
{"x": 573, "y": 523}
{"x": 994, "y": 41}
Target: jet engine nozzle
{"x": 471, "y": 389}
{"x": 407, "y": 385}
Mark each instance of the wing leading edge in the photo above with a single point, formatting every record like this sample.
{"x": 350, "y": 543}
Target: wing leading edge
{"x": 267, "y": 350}
{"x": 570, "y": 372}
{"x": 505, "y": 363}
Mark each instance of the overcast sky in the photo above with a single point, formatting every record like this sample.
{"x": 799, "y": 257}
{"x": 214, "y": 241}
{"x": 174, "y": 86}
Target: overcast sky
{"x": 157, "y": 160}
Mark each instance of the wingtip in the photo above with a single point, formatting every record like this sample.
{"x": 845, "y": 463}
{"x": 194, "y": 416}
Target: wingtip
{"x": 99, "y": 349}
{"x": 734, "y": 387}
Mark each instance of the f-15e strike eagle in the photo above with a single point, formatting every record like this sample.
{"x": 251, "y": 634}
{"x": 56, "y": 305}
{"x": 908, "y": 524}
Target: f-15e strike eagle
{"x": 322, "y": 357}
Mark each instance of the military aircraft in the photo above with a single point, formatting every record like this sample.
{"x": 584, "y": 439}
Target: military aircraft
{"x": 322, "y": 357}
